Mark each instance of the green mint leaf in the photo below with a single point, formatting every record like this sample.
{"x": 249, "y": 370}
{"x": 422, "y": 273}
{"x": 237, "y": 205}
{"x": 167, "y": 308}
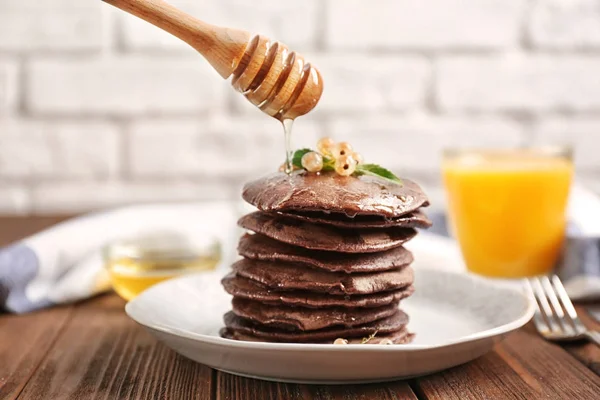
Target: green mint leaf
{"x": 376, "y": 170}
{"x": 297, "y": 157}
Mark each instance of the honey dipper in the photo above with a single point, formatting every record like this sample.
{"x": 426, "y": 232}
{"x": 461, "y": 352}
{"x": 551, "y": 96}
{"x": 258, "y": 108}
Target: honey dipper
{"x": 278, "y": 81}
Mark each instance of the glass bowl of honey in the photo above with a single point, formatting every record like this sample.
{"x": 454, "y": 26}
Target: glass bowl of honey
{"x": 137, "y": 263}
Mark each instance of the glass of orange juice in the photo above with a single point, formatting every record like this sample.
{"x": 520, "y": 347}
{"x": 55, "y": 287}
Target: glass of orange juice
{"x": 507, "y": 207}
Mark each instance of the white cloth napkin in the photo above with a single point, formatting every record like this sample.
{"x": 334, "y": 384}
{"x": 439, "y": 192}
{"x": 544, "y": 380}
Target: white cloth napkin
{"x": 64, "y": 263}
{"x": 579, "y": 267}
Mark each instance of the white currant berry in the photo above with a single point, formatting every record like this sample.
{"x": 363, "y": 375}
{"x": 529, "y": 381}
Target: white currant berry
{"x": 358, "y": 158}
{"x": 312, "y": 161}
{"x": 340, "y": 341}
{"x": 345, "y": 165}
{"x": 325, "y": 145}
{"x": 341, "y": 149}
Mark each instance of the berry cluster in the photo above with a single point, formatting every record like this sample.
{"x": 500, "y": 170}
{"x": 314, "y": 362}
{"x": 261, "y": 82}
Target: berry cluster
{"x": 339, "y": 157}
{"x": 344, "y": 157}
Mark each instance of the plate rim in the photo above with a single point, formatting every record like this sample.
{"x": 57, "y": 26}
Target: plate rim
{"x": 504, "y": 329}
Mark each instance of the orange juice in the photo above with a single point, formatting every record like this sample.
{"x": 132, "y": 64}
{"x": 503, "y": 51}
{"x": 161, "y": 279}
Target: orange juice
{"x": 507, "y": 209}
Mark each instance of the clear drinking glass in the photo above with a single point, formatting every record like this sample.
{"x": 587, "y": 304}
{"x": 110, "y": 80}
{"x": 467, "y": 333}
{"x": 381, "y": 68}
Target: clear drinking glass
{"x": 507, "y": 207}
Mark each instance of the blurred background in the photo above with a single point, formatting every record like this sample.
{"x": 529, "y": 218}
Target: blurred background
{"x": 99, "y": 109}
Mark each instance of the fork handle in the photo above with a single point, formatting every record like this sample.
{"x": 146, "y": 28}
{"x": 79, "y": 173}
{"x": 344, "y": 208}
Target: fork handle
{"x": 593, "y": 336}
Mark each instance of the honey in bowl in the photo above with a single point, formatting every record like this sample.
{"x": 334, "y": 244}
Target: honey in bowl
{"x": 134, "y": 265}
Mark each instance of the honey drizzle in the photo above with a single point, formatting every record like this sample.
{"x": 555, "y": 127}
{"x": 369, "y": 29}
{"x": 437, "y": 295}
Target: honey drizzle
{"x": 287, "y": 131}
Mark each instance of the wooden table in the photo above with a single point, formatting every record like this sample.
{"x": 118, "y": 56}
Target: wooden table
{"x": 93, "y": 350}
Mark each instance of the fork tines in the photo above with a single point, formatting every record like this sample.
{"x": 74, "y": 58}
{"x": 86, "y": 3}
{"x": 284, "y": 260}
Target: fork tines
{"x": 555, "y": 317}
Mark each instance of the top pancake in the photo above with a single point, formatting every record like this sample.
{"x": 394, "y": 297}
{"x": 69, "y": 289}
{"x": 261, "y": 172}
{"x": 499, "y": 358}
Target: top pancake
{"x": 362, "y": 195}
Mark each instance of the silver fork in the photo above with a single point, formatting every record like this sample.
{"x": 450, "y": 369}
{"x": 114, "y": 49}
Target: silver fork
{"x": 555, "y": 317}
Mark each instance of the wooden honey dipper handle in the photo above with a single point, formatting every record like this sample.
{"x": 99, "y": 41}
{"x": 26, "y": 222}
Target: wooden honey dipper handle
{"x": 273, "y": 78}
{"x": 222, "y": 47}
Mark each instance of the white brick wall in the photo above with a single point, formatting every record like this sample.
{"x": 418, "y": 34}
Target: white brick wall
{"x": 31, "y": 149}
{"x": 291, "y": 22}
{"x": 363, "y": 83}
{"x": 123, "y": 86}
{"x": 216, "y": 147}
{"x": 66, "y": 25}
{"x": 583, "y": 134}
{"x": 98, "y": 108}
{"x": 423, "y": 24}
{"x": 9, "y": 76}
{"x": 415, "y": 144}
{"x": 519, "y": 83}
{"x": 566, "y": 24}
{"x": 67, "y": 196}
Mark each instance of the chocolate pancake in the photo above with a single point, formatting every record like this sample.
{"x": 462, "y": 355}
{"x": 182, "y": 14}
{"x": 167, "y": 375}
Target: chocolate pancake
{"x": 399, "y": 337}
{"x": 306, "y": 319}
{"x": 287, "y": 276}
{"x": 324, "y": 237}
{"x": 363, "y": 195}
{"x": 248, "y": 289}
{"x": 415, "y": 219}
{"x": 235, "y": 324}
{"x": 260, "y": 247}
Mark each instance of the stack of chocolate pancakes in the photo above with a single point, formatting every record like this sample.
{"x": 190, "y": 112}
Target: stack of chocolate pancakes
{"x": 325, "y": 259}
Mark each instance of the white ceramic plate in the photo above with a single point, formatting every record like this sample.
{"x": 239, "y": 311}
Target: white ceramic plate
{"x": 456, "y": 318}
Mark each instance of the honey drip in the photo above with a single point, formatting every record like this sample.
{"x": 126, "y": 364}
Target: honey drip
{"x": 283, "y": 106}
{"x": 287, "y": 131}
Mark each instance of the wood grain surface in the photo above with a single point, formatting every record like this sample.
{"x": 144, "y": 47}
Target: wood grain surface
{"x": 586, "y": 352}
{"x": 524, "y": 366}
{"x": 92, "y": 350}
{"x": 25, "y": 340}
{"x": 103, "y": 354}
